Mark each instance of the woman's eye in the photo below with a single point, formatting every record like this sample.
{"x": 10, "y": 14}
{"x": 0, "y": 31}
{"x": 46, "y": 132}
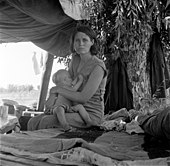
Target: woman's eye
{"x": 84, "y": 40}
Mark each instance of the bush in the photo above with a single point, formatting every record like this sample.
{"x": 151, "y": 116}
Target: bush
{"x": 19, "y": 88}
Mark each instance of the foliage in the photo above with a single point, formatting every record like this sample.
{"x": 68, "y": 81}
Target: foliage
{"x": 166, "y": 44}
{"x": 64, "y": 60}
{"x": 19, "y": 88}
{"x": 26, "y": 98}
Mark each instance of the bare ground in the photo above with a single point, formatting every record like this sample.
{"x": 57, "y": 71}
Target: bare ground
{"x": 23, "y": 98}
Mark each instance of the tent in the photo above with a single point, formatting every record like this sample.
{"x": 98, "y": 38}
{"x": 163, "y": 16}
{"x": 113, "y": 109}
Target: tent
{"x": 48, "y": 24}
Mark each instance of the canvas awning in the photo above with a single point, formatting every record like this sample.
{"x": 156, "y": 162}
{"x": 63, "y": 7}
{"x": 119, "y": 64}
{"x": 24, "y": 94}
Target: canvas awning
{"x": 43, "y": 22}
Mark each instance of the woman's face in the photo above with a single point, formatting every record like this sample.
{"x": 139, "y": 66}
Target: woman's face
{"x": 82, "y": 43}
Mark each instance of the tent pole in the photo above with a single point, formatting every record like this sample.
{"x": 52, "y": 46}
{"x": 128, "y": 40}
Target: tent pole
{"x": 45, "y": 82}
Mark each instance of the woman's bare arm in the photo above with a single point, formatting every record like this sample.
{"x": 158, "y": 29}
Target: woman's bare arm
{"x": 88, "y": 91}
{"x": 78, "y": 83}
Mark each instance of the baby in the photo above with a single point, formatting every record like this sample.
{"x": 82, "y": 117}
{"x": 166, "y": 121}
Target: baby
{"x": 58, "y": 105}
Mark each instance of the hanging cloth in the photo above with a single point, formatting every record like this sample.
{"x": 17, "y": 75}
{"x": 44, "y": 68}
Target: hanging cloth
{"x": 118, "y": 88}
{"x": 159, "y": 75}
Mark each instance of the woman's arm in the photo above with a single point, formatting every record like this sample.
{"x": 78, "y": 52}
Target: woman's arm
{"x": 77, "y": 84}
{"x": 88, "y": 91}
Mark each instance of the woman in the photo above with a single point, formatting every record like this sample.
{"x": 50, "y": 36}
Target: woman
{"x": 90, "y": 94}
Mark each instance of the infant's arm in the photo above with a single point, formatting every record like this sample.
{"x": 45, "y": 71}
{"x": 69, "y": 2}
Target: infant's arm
{"x": 50, "y": 101}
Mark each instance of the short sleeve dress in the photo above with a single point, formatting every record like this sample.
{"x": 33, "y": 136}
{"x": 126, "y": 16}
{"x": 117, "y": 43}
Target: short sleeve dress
{"x": 95, "y": 105}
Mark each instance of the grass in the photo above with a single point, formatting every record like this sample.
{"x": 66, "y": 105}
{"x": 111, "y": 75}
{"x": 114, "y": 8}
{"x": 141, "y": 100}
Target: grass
{"x": 23, "y": 97}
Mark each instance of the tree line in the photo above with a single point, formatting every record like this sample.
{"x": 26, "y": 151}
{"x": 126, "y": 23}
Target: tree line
{"x": 17, "y": 88}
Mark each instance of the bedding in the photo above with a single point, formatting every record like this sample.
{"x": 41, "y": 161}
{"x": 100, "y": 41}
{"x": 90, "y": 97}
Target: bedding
{"x": 108, "y": 148}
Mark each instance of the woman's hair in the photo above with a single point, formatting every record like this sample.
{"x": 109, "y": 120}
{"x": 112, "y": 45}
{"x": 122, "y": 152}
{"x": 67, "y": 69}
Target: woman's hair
{"x": 89, "y": 32}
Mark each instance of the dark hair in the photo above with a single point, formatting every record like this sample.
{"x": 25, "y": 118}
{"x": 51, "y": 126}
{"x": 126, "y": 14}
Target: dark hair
{"x": 89, "y": 32}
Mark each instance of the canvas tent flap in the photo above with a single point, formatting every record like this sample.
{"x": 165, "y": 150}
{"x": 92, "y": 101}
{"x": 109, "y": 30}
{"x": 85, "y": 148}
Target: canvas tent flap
{"x": 41, "y": 21}
{"x": 44, "y": 11}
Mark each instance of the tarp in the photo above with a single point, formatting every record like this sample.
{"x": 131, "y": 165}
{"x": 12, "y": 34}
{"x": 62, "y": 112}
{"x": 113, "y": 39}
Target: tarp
{"x": 42, "y": 22}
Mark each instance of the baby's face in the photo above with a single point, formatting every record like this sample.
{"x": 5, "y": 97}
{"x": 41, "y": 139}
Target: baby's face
{"x": 65, "y": 78}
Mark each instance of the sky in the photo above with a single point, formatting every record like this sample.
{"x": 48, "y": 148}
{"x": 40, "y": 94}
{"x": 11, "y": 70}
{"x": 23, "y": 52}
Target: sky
{"x": 16, "y": 64}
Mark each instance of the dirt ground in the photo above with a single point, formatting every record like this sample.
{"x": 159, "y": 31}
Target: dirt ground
{"x": 23, "y": 98}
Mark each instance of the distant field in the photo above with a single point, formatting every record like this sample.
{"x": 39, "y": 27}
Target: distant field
{"x": 23, "y": 98}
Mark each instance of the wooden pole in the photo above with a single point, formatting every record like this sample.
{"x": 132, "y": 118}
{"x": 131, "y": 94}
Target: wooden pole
{"x": 45, "y": 82}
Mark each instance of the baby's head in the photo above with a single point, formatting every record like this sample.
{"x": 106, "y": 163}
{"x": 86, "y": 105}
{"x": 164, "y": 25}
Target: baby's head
{"x": 62, "y": 77}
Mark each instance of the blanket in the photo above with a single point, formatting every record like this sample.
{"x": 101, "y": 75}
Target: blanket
{"x": 53, "y": 146}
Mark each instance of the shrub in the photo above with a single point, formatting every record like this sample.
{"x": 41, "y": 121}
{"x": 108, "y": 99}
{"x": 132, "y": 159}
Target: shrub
{"x": 19, "y": 88}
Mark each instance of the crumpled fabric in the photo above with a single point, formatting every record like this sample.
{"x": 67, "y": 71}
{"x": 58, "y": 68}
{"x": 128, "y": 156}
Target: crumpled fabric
{"x": 133, "y": 127}
{"x": 117, "y": 125}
